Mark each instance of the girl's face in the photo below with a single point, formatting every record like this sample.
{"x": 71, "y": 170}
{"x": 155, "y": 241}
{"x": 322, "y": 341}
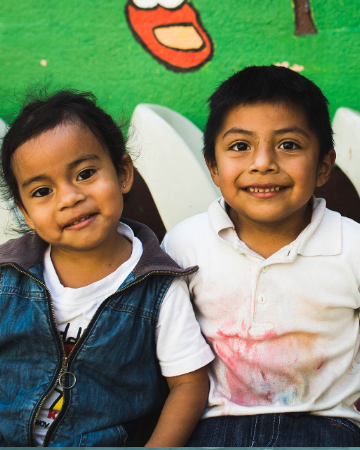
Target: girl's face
{"x": 71, "y": 194}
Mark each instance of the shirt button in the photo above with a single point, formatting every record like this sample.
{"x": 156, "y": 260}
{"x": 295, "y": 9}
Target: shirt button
{"x": 262, "y": 299}
{"x": 265, "y": 269}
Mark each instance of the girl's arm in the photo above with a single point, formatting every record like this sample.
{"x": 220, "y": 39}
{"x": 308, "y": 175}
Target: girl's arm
{"x": 182, "y": 410}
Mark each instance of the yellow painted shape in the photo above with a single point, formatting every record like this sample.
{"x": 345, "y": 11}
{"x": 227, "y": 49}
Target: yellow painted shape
{"x": 179, "y": 37}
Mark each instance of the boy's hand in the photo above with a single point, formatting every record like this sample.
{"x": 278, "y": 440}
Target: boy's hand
{"x": 182, "y": 410}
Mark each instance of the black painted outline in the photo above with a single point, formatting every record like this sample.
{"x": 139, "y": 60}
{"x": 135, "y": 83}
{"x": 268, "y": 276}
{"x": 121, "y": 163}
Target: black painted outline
{"x": 167, "y": 65}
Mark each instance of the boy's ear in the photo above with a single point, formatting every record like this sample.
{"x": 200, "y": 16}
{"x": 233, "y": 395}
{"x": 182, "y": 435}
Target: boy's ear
{"x": 126, "y": 174}
{"x": 27, "y": 218}
{"x": 213, "y": 169}
{"x": 325, "y": 168}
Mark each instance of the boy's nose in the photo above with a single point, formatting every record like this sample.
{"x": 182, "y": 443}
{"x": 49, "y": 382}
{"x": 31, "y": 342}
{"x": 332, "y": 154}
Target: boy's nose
{"x": 69, "y": 196}
{"x": 264, "y": 160}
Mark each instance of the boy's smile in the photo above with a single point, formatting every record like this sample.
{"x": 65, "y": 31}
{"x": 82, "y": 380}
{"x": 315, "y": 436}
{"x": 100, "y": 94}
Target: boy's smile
{"x": 70, "y": 190}
{"x": 267, "y": 165}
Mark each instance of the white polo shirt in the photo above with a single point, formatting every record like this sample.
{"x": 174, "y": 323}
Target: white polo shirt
{"x": 285, "y": 330}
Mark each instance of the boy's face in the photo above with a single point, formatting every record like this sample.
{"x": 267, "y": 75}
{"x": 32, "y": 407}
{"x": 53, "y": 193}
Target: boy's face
{"x": 267, "y": 163}
{"x": 69, "y": 187}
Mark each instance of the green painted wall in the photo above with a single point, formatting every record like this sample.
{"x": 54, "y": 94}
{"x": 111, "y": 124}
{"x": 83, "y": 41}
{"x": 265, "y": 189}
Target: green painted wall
{"x": 87, "y": 44}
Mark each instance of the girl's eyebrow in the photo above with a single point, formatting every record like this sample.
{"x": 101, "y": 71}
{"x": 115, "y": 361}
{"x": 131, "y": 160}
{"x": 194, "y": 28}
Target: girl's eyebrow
{"x": 72, "y": 165}
{"x": 41, "y": 177}
{"x": 83, "y": 158}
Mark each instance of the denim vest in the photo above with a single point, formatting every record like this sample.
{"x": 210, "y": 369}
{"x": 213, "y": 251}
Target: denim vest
{"x": 113, "y": 367}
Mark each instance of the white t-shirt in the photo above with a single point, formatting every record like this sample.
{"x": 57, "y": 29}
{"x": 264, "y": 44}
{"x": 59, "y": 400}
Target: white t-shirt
{"x": 180, "y": 347}
{"x": 284, "y": 330}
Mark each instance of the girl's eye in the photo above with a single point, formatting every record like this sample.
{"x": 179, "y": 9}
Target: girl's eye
{"x": 240, "y": 147}
{"x": 288, "y": 145}
{"x": 85, "y": 174}
{"x": 42, "y": 192}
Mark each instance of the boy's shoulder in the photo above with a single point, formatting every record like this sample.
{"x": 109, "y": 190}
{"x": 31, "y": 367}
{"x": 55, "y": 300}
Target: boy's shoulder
{"x": 338, "y": 233}
{"x": 350, "y": 230}
{"x": 202, "y": 226}
{"x": 188, "y": 230}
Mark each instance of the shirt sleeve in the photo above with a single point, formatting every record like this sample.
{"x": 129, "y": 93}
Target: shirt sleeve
{"x": 181, "y": 348}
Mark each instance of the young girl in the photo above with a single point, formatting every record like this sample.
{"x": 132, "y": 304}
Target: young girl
{"x": 92, "y": 311}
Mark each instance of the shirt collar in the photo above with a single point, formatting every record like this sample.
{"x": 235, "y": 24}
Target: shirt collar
{"x": 321, "y": 237}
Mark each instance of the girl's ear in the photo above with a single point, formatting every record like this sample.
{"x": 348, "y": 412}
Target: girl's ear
{"x": 27, "y": 218}
{"x": 126, "y": 174}
{"x": 213, "y": 169}
{"x": 325, "y": 168}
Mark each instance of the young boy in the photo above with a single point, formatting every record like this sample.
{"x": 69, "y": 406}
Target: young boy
{"x": 277, "y": 292}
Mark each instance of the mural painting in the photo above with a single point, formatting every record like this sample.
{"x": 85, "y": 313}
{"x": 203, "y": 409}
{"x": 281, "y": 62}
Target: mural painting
{"x": 304, "y": 23}
{"x": 171, "y": 31}
{"x": 170, "y": 55}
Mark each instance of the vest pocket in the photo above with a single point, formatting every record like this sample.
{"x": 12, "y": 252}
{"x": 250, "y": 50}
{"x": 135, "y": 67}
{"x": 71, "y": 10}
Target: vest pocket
{"x": 110, "y": 437}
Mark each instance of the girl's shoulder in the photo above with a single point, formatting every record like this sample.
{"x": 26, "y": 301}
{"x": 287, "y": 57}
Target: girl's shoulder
{"x": 24, "y": 251}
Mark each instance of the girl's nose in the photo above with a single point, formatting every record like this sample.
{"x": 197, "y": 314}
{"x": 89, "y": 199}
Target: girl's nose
{"x": 69, "y": 196}
{"x": 264, "y": 160}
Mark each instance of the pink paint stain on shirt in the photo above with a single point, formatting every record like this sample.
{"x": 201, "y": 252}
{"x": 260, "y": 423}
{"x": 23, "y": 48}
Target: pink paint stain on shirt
{"x": 261, "y": 369}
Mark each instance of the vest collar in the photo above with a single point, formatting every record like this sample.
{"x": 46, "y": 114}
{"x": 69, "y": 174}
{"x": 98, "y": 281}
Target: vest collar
{"x": 28, "y": 250}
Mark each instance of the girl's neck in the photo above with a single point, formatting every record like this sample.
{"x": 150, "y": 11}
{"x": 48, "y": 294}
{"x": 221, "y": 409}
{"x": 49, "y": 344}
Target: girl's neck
{"x": 77, "y": 269}
{"x": 268, "y": 238}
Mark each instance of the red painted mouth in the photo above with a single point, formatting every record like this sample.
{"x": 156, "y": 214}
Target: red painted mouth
{"x": 175, "y": 37}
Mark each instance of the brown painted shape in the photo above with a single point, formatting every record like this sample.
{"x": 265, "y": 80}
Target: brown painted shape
{"x": 140, "y": 206}
{"x": 303, "y": 21}
{"x": 340, "y": 195}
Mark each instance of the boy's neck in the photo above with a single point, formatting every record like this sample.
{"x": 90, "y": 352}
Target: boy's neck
{"x": 77, "y": 269}
{"x": 268, "y": 238}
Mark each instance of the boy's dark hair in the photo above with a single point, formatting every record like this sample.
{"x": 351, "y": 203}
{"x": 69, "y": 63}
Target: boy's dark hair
{"x": 44, "y": 113}
{"x": 260, "y": 84}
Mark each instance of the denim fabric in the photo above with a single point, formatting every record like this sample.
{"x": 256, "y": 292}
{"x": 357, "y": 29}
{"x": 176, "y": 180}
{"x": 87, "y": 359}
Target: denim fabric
{"x": 118, "y": 377}
{"x": 275, "y": 430}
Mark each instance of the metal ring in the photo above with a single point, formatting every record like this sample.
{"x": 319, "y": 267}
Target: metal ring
{"x": 67, "y": 387}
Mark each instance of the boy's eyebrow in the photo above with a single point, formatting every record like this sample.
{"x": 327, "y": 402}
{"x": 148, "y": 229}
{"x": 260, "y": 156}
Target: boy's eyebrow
{"x": 72, "y": 165}
{"x": 293, "y": 129}
{"x": 236, "y": 130}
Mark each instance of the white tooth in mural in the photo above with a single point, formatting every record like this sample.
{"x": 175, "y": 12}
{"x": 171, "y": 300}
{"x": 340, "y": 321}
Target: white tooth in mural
{"x": 152, "y": 3}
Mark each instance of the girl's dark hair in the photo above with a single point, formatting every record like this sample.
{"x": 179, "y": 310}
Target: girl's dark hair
{"x": 45, "y": 112}
{"x": 261, "y": 84}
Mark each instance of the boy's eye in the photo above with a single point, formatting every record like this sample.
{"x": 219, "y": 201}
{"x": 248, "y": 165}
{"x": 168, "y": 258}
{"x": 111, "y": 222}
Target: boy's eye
{"x": 85, "y": 174}
{"x": 42, "y": 192}
{"x": 240, "y": 147}
{"x": 288, "y": 145}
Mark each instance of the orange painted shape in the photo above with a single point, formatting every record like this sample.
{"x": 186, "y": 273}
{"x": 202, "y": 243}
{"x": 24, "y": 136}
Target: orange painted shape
{"x": 175, "y": 24}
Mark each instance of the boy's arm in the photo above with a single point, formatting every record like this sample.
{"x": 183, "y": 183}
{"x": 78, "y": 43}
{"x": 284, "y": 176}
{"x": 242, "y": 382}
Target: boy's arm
{"x": 182, "y": 410}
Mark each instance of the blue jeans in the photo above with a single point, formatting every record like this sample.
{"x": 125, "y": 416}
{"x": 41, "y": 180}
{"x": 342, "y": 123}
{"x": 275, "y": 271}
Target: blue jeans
{"x": 275, "y": 430}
